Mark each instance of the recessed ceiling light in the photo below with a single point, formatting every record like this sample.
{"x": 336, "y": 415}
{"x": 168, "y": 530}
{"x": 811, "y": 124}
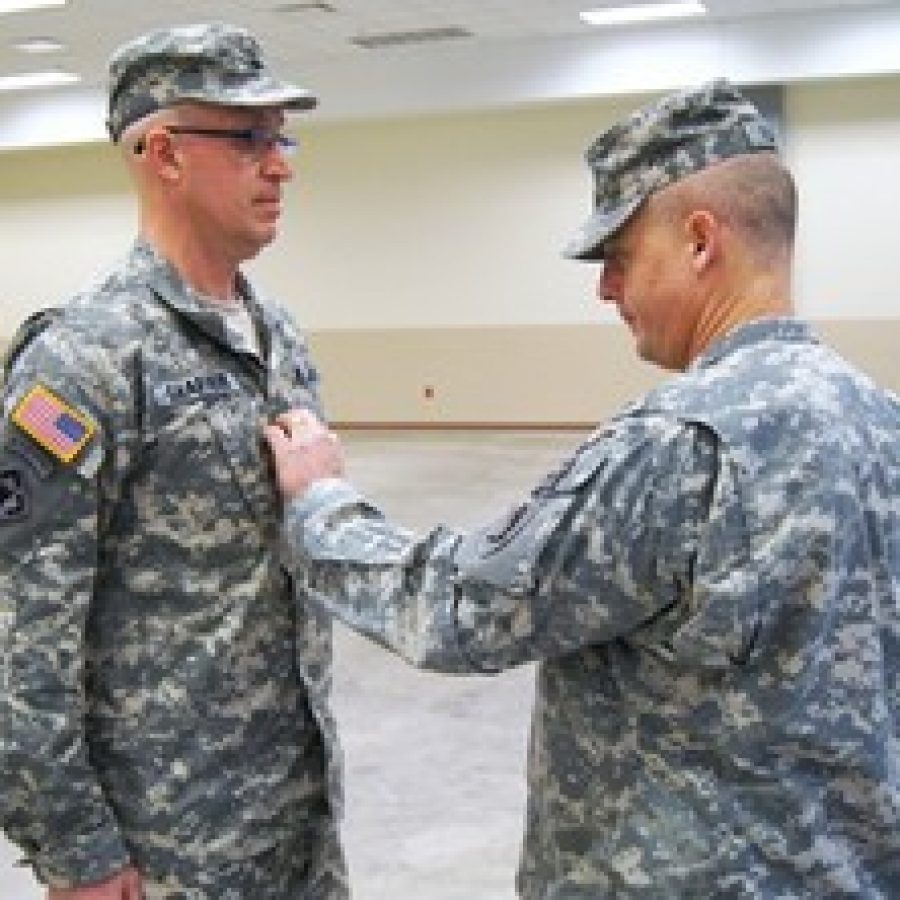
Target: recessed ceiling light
{"x": 36, "y": 80}
{"x": 39, "y": 45}
{"x": 417, "y": 36}
{"x": 645, "y": 12}
{"x": 9, "y": 6}
{"x": 304, "y": 7}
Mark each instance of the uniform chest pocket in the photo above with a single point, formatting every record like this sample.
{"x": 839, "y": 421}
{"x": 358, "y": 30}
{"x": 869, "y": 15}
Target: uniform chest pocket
{"x": 237, "y": 428}
{"x": 200, "y": 475}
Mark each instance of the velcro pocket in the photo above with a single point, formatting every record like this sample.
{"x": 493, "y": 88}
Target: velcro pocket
{"x": 505, "y": 554}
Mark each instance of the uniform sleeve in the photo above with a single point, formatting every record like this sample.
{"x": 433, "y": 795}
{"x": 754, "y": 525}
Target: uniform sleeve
{"x": 52, "y": 804}
{"x": 602, "y": 548}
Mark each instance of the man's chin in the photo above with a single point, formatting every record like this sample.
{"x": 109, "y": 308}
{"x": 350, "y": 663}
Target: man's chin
{"x": 261, "y": 240}
{"x": 646, "y": 353}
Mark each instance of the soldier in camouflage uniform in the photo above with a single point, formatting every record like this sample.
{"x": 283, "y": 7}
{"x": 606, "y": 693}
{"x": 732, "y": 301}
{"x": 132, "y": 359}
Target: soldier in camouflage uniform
{"x": 711, "y": 580}
{"x": 163, "y": 686}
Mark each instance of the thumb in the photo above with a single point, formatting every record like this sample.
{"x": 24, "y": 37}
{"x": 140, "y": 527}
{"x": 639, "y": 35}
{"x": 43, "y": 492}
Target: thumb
{"x": 275, "y": 437}
{"x": 133, "y": 889}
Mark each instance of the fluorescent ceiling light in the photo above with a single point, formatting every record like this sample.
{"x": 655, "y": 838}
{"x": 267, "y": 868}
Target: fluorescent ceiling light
{"x": 9, "y": 6}
{"x": 645, "y": 12}
{"x": 39, "y": 45}
{"x": 36, "y": 80}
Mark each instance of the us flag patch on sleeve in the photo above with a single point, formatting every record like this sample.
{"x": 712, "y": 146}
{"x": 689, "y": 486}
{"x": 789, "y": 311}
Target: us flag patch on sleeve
{"x": 56, "y": 426}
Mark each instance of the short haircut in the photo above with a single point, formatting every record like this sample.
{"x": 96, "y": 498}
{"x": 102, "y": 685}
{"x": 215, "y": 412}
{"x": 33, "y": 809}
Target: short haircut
{"x": 754, "y": 194}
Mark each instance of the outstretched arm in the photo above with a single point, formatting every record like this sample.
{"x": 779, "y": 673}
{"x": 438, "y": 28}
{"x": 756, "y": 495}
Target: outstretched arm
{"x": 600, "y": 548}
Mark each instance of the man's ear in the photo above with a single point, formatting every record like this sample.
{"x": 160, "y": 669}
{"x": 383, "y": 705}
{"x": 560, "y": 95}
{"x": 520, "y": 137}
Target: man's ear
{"x": 704, "y": 232}
{"x": 161, "y": 154}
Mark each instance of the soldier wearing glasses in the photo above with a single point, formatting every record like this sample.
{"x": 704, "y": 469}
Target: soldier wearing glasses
{"x": 164, "y": 699}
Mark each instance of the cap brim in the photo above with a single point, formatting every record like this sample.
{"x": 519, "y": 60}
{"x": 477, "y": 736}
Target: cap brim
{"x": 289, "y": 98}
{"x": 587, "y": 245}
{"x": 263, "y": 91}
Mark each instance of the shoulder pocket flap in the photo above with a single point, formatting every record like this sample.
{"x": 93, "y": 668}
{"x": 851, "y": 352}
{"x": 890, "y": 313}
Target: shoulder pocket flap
{"x": 506, "y": 553}
{"x": 578, "y": 469}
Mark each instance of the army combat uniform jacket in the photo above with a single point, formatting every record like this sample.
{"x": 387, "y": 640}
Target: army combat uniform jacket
{"x": 711, "y": 583}
{"x": 163, "y": 693}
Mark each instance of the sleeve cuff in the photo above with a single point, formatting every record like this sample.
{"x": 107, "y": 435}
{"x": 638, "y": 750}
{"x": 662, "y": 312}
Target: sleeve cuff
{"x": 101, "y": 857}
{"x": 326, "y": 493}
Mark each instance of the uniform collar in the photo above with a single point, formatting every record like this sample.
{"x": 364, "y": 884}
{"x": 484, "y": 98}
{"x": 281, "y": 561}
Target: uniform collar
{"x": 780, "y": 330}
{"x": 168, "y": 285}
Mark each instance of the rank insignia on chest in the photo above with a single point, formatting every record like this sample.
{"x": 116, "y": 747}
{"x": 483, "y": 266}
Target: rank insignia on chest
{"x": 59, "y": 428}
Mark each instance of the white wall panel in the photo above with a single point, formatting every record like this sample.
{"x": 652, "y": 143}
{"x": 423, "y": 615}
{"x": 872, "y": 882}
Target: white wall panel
{"x": 844, "y": 144}
{"x": 459, "y": 219}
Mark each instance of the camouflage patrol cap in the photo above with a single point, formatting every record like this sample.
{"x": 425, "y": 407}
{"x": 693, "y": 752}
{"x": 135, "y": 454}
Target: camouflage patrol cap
{"x": 665, "y": 141}
{"x": 208, "y": 63}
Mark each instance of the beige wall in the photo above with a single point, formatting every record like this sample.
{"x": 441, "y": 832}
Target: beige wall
{"x": 425, "y": 252}
{"x": 64, "y": 213}
{"x": 539, "y": 375}
{"x": 844, "y": 145}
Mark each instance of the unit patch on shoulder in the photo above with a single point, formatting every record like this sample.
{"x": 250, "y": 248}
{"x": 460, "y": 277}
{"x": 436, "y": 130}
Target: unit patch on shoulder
{"x": 59, "y": 428}
{"x": 14, "y": 503}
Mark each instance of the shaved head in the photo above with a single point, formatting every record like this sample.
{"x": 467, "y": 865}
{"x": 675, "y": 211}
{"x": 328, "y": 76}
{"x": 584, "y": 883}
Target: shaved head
{"x": 752, "y": 194}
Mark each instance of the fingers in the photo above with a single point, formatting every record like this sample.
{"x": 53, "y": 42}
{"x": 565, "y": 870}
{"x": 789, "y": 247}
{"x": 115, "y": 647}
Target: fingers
{"x": 275, "y": 436}
{"x": 297, "y": 428}
{"x": 300, "y": 425}
{"x": 134, "y": 890}
{"x": 303, "y": 450}
{"x": 125, "y": 885}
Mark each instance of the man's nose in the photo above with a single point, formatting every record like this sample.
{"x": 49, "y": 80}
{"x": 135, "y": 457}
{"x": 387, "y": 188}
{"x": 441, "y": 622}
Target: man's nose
{"x": 276, "y": 164}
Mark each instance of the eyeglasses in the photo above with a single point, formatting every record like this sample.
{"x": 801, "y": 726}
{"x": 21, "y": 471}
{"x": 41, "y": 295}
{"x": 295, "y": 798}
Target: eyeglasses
{"x": 256, "y": 141}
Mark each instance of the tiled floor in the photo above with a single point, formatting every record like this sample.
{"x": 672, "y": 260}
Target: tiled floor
{"x": 434, "y": 764}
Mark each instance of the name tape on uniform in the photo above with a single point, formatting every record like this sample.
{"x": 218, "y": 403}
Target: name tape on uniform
{"x": 197, "y": 387}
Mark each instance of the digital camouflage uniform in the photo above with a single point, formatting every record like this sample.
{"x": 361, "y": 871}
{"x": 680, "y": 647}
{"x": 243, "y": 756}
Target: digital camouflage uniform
{"x": 164, "y": 691}
{"x": 206, "y": 63}
{"x": 711, "y": 584}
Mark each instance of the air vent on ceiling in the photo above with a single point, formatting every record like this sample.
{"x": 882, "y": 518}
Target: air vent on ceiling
{"x": 303, "y": 7}
{"x": 418, "y": 36}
